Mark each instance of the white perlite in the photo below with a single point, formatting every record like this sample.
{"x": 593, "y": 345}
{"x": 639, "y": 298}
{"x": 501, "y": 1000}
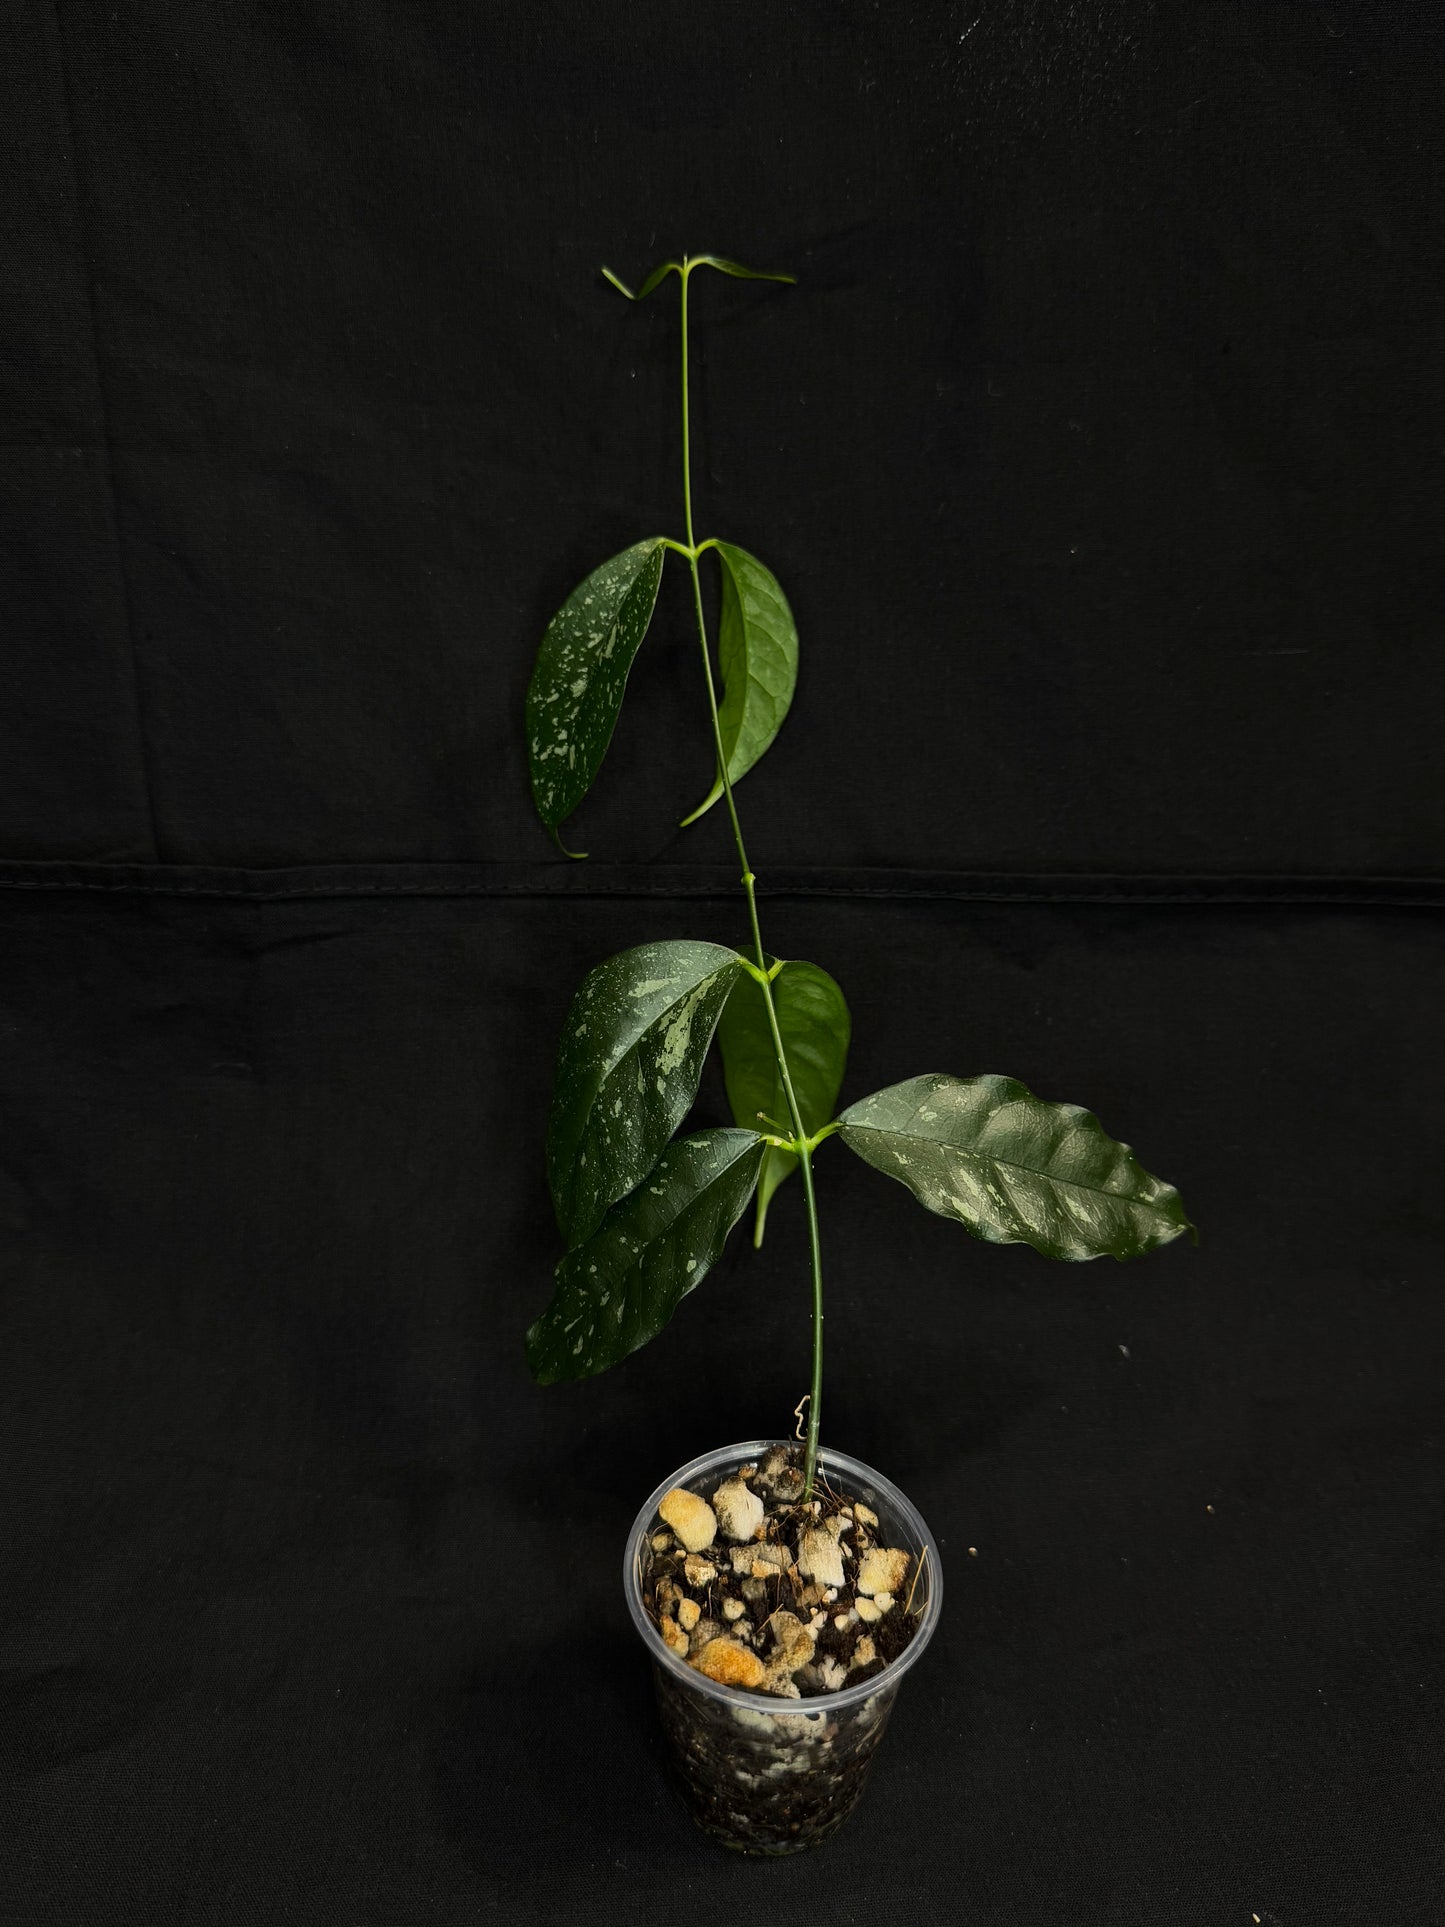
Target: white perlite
{"x": 795, "y": 1643}
{"x": 759, "y": 1561}
{"x": 882, "y": 1570}
{"x": 691, "y": 1518}
{"x": 739, "y": 1511}
{"x": 819, "y": 1557}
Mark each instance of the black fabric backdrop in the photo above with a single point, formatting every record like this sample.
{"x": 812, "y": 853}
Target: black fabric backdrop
{"x": 1098, "y": 449}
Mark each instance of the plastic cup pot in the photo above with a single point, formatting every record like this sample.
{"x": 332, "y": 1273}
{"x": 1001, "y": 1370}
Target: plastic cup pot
{"x": 760, "y": 1774}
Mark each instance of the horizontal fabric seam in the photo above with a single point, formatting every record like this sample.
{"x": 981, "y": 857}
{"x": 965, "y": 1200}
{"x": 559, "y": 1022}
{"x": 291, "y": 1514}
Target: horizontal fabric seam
{"x": 559, "y": 881}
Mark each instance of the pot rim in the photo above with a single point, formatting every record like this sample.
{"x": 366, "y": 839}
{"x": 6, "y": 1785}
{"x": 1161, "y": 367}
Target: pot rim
{"x": 766, "y": 1704}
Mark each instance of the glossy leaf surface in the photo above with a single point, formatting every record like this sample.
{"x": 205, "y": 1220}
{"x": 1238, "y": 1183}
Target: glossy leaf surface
{"x": 628, "y": 1066}
{"x": 758, "y": 656}
{"x": 581, "y": 673}
{"x": 1014, "y": 1169}
{"x": 815, "y": 1026}
{"x": 622, "y": 1286}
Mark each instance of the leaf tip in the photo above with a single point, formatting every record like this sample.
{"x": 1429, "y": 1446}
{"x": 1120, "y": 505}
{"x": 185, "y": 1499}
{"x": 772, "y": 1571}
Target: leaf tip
{"x": 576, "y": 856}
{"x": 703, "y": 807}
{"x": 621, "y": 286}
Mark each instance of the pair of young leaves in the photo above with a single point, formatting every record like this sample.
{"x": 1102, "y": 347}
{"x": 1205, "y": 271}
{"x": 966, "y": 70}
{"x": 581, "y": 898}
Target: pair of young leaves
{"x": 646, "y": 1214}
{"x": 580, "y": 677}
{"x": 577, "y": 686}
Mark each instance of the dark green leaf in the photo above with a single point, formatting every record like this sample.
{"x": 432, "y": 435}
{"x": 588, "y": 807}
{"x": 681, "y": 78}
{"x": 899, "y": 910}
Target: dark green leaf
{"x": 627, "y": 1071}
{"x": 758, "y": 654}
{"x": 815, "y": 1026}
{"x": 581, "y": 673}
{"x": 622, "y": 1286}
{"x": 1013, "y": 1169}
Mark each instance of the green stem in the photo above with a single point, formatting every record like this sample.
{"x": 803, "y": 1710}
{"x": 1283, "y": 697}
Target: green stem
{"x": 804, "y": 1143}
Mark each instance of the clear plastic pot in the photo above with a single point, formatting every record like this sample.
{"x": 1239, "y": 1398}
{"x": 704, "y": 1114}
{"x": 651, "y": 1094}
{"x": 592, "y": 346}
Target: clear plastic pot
{"x": 766, "y": 1775}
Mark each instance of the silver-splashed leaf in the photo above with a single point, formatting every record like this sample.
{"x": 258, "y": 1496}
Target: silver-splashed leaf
{"x": 628, "y": 1065}
{"x": 1014, "y": 1169}
{"x": 622, "y": 1286}
{"x": 577, "y": 686}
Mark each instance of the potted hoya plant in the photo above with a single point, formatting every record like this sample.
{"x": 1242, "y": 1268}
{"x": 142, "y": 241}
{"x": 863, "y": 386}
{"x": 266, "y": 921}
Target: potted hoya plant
{"x": 782, "y": 1588}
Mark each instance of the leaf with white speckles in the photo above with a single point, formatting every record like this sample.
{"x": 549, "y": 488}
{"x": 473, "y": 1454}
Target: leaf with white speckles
{"x": 758, "y": 656}
{"x": 622, "y": 1286}
{"x": 576, "y": 691}
{"x": 628, "y": 1066}
{"x": 815, "y": 1026}
{"x": 1014, "y": 1169}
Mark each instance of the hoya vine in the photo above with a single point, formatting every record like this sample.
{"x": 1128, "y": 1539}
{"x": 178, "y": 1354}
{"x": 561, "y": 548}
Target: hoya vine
{"x": 645, "y": 1213}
